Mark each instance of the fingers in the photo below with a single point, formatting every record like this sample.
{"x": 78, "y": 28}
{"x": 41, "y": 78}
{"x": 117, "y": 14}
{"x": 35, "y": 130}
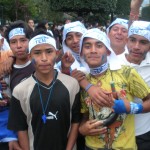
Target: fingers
{"x": 78, "y": 75}
{"x": 92, "y": 127}
{"x": 3, "y": 103}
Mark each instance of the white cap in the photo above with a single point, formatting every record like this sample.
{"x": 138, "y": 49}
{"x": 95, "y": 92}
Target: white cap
{"x": 141, "y": 28}
{"x": 120, "y": 21}
{"x": 41, "y": 39}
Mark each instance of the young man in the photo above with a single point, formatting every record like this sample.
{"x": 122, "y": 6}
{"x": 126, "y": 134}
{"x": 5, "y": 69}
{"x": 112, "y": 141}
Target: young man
{"x": 17, "y": 34}
{"x": 139, "y": 57}
{"x": 111, "y": 77}
{"x": 48, "y": 108}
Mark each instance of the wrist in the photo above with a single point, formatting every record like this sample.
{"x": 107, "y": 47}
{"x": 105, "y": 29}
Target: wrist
{"x": 66, "y": 70}
{"x": 88, "y": 87}
{"x": 136, "y": 108}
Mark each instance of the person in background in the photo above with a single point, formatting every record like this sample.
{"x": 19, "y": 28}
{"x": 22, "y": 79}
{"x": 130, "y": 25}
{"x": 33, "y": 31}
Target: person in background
{"x": 31, "y": 24}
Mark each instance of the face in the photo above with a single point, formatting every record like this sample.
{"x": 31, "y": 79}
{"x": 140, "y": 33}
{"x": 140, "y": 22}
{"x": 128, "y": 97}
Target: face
{"x": 138, "y": 46}
{"x": 72, "y": 41}
{"x": 31, "y": 23}
{"x": 46, "y": 25}
{"x": 118, "y": 36}
{"x": 44, "y": 56}
{"x": 19, "y": 46}
{"x": 94, "y": 52}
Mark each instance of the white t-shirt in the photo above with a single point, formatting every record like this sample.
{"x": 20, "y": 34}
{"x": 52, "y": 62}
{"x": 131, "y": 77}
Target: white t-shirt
{"x": 142, "y": 121}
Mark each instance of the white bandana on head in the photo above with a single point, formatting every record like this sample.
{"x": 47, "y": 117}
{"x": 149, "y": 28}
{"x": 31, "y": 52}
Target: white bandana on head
{"x": 41, "y": 39}
{"x": 95, "y": 33}
{"x": 141, "y": 28}
{"x": 120, "y": 21}
{"x": 16, "y": 31}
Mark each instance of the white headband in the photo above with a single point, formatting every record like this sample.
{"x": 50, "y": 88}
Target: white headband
{"x": 141, "y": 28}
{"x": 16, "y": 31}
{"x": 41, "y": 39}
{"x": 120, "y": 21}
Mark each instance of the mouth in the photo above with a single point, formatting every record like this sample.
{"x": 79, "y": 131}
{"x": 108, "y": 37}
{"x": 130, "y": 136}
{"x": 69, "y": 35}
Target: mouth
{"x": 135, "y": 54}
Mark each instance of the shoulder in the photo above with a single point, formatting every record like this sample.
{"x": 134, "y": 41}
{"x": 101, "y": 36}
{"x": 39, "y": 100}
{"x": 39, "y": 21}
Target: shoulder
{"x": 68, "y": 81}
{"x": 24, "y": 87}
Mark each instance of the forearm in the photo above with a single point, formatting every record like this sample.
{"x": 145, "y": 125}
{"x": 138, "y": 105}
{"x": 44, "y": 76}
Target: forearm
{"x": 72, "y": 136}
{"x": 23, "y": 140}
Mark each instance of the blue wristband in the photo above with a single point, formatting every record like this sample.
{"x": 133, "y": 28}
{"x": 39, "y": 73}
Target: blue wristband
{"x": 136, "y": 108}
{"x": 88, "y": 86}
{"x": 119, "y": 107}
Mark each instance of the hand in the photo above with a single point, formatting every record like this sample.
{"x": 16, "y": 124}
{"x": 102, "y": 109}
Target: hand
{"x": 79, "y": 75}
{"x": 100, "y": 96}
{"x": 67, "y": 60}
{"x": 14, "y": 145}
{"x": 92, "y": 127}
{"x": 7, "y": 65}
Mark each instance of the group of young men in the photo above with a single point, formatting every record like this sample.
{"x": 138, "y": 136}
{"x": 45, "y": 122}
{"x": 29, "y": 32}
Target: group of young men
{"x": 48, "y": 108}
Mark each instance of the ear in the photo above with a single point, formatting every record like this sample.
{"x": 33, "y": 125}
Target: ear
{"x": 2, "y": 41}
{"x": 108, "y": 52}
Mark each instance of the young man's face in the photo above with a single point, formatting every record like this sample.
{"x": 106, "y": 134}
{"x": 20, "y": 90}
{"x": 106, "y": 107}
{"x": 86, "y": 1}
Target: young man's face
{"x": 19, "y": 46}
{"x": 138, "y": 46}
{"x": 44, "y": 56}
{"x": 118, "y": 36}
{"x": 94, "y": 52}
{"x": 72, "y": 41}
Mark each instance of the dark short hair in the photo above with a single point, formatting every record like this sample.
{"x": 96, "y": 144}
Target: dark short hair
{"x": 19, "y": 24}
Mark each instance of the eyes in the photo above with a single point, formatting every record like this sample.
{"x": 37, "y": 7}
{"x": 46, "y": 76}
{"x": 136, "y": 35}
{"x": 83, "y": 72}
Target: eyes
{"x": 22, "y": 40}
{"x": 90, "y": 46}
{"x": 123, "y": 30}
{"x": 142, "y": 42}
{"x": 71, "y": 37}
{"x": 47, "y": 51}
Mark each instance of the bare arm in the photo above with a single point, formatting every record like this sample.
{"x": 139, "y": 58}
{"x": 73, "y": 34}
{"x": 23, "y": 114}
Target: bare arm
{"x": 23, "y": 140}
{"x": 146, "y": 104}
{"x": 72, "y": 136}
{"x": 134, "y": 12}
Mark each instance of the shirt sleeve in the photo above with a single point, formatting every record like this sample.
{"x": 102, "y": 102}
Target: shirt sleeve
{"x": 17, "y": 120}
{"x": 137, "y": 86}
{"x": 76, "y": 116}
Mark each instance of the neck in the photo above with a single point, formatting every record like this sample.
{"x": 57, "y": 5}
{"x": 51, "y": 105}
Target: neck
{"x": 21, "y": 62}
{"x": 45, "y": 78}
{"x": 118, "y": 50}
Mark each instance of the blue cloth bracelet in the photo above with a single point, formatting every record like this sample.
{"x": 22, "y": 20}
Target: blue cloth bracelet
{"x": 119, "y": 107}
{"x": 136, "y": 108}
{"x": 88, "y": 86}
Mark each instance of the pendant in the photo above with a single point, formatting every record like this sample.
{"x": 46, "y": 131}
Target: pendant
{"x": 44, "y": 118}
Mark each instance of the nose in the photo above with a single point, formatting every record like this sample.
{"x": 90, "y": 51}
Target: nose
{"x": 19, "y": 45}
{"x": 119, "y": 31}
{"x": 75, "y": 39}
{"x": 137, "y": 45}
{"x": 93, "y": 48}
{"x": 44, "y": 57}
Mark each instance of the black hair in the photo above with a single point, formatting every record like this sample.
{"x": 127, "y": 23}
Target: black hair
{"x": 19, "y": 24}
{"x": 41, "y": 24}
{"x": 40, "y": 31}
